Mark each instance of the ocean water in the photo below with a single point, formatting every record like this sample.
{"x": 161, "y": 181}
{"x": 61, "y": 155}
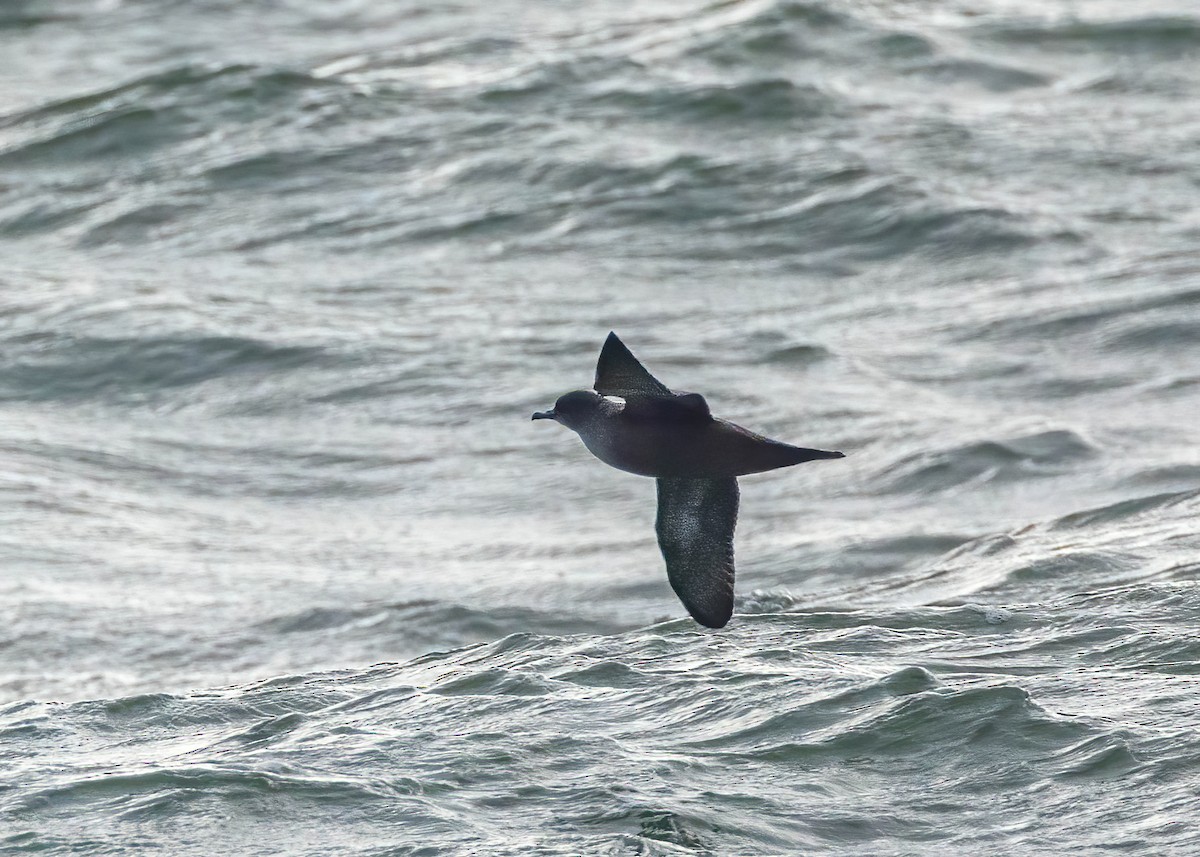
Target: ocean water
{"x": 287, "y": 569}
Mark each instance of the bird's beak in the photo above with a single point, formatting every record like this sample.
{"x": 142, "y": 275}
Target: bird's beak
{"x": 545, "y": 415}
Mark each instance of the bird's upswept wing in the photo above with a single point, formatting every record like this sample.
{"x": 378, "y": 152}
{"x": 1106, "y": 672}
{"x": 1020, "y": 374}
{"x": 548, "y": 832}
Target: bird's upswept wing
{"x": 696, "y": 518}
{"x": 618, "y": 373}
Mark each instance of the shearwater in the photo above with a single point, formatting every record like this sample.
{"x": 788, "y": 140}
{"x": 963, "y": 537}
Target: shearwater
{"x": 634, "y": 422}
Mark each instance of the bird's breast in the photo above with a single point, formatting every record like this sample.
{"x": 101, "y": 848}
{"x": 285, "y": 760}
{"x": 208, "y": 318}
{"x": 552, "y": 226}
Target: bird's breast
{"x": 671, "y": 450}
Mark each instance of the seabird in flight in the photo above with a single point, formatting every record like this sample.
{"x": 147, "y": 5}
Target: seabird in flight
{"x": 634, "y": 422}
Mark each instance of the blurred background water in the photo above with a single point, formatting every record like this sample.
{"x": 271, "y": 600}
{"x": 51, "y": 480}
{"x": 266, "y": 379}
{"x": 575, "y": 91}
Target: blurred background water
{"x": 288, "y": 570}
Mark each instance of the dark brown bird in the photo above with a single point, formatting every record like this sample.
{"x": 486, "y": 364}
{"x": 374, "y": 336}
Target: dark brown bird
{"x": 634, "y": 422}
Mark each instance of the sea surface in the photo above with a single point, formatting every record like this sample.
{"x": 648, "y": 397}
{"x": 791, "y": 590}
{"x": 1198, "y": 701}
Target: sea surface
{"x": 286, "y": 569}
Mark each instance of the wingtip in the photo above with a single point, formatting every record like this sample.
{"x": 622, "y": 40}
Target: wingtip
{"x": 612, "y": 343}
{"x": 714, "y": 622}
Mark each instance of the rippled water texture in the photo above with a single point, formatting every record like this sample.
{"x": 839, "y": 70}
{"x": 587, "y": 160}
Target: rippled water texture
{"x": 287, "y": 569}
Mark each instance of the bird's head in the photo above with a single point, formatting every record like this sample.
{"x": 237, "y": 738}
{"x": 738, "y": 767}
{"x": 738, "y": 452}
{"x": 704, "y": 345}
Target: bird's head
{"x": 574, "y": 409}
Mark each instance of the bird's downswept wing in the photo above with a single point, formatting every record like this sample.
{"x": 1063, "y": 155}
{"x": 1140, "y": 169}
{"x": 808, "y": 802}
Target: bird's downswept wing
{"x": 696, "y": 518}
{"x": 618, "y": 373}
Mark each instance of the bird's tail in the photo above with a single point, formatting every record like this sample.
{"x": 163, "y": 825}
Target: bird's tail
{"x": 802, "y": 454}
{"x": 770, "y": 454}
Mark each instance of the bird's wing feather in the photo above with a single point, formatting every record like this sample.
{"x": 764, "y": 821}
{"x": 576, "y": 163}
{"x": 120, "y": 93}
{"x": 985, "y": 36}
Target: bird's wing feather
{"x": 677, "y": 408}
{"x": 696, "y": 518}
{"x": 618, "y": 373}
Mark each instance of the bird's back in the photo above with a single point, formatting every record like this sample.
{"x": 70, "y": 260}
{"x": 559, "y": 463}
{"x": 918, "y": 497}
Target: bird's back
{"x": 695, "y": 449}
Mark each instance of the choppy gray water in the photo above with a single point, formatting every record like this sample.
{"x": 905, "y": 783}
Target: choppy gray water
{"x": 288, "y": 570}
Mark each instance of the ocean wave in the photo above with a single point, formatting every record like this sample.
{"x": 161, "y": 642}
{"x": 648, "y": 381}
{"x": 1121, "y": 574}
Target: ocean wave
{"x": 791, "y": 34}
{"x": 125, "y": 159}
{"x": 1125, "y": 511}
{"x": 1024, "y": 457}
{"x": 775, "y": 31}
{"x": 592, "y": 729}
{"x": 462, "y": 190}
{"x": 126, "y": 122}
{"x": 438, "y": 623}
{"x": 80, "y": 367}
{"x": 1166, "y": 35}
{"x": 291, "y": 572}
{"x": 769, "y": 99}
{"x": 989, "y": 76}
{"x": 717, "y": 209}
{"x": 1119, "y": 544}
{"x": 167, "y": 791}
{"x": 988, "y": 723}
{"x": 1108, "y": 317}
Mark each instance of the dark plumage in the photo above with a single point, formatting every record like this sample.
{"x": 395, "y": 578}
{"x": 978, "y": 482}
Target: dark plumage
{"x": 634, "y": 422}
